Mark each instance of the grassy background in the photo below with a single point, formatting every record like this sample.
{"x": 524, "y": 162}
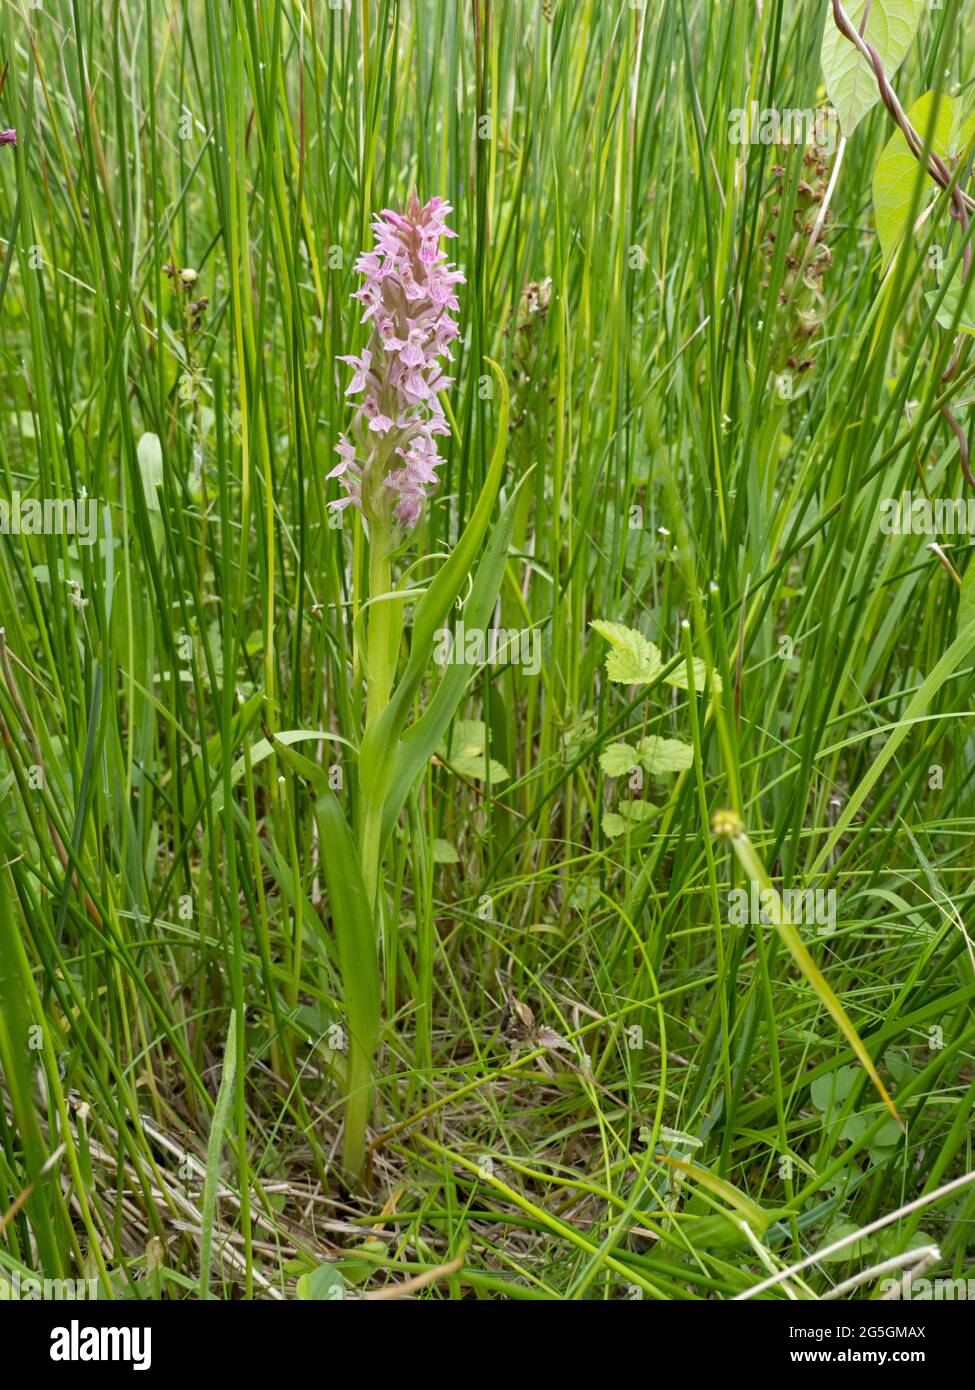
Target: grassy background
{"x": 161, "y": 871}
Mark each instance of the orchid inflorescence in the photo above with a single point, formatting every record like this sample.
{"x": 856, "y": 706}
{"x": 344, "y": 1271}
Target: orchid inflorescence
{"x": 389, "y": 464}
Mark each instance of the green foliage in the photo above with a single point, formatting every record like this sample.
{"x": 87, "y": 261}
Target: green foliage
{"x": 560, "y": 1067}
{"x": 900, "y": 182}
{"x": 850, "y": 80}
{"x": 632, "y": 660}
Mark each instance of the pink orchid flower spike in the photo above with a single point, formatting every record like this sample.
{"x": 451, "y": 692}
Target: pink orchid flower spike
{"x": 389, "y": 458}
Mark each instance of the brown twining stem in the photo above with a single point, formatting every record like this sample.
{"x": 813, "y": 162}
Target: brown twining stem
{"x": 961, "y": 203}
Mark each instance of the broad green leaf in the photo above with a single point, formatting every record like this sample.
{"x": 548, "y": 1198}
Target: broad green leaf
{"x": 261, "y": 749}
{"x": 469, "y": 735}
{"x": 855, "y": 1126}
{"x": 833, "y": 1088}
{"x": 679, "y": 678}
{"x": 475, "y": 766}
{"x": 632, "y": 660}
{"x": 360, "y": 1268}
{"x": 850, "y": 80}
{"x": 380, "y": 766}
{"x": 659, "y": 755}
{"x": 858, "y": 1250}
{"x": 628, "y": 815}
{"x": 898, "y": 172}
{"x": 898, "y": 1064}
{"x": 409, "y": 749}
{"x": 323, "y": 1283}
{"x": 466, "y": 752}
{"x": 444, "y": 853}
{"x": 948, "y": 315}
{"x": 617, "y": 759}
{"x": 723, "y": 1190}
{"x": 888, "y": 1136}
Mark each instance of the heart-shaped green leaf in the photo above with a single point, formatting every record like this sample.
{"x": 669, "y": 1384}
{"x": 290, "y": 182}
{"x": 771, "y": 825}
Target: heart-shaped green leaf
{"x": 897, "y": 174}
{"x": 850, "y": 80}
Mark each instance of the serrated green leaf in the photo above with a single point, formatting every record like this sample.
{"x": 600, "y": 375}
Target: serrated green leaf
{"x": 617, "y": 759}
{"x": 633, "y": 660}
{"x": 628, "y": 815}
{"x": 476, "y": 766}
{"x": 467, "y": 736}
{"x": 465, "y": 751}
{"x": 850, "y": 80}
{"x": 660, "y": 755}
{"x": 679, "y": 678}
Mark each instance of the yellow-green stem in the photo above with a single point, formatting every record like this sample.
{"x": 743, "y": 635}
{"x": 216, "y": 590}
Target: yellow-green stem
{"x": 379, "y": 663}
{"x": 381, "y": 646}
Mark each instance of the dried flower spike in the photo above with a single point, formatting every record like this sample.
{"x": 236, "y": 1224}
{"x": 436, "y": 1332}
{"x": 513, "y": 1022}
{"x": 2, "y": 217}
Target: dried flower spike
{"x": 389, "y": 464}
{"x": 791, "y": 359}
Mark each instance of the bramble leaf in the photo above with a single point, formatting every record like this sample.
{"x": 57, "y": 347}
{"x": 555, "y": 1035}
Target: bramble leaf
{"x": 465, "y": 751}
{"x": 660, "y": 755}
{"x": 679, "y": 678}
{"x": 617, "y": 759}
{"x": 633, "y": 659}
{"x": 628, "y": 815}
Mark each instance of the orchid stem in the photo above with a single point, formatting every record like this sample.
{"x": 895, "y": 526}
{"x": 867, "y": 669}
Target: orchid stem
{"x": 381, "y": 642}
